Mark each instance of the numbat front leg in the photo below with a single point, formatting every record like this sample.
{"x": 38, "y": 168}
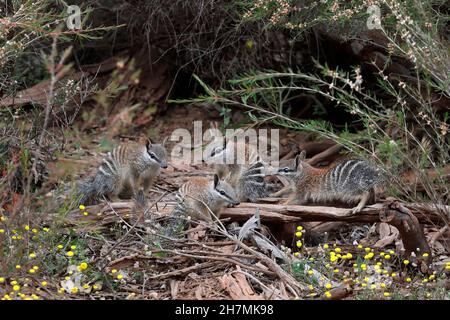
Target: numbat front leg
{"x": 281, "y": 192}
{"x": 362, "y": 203}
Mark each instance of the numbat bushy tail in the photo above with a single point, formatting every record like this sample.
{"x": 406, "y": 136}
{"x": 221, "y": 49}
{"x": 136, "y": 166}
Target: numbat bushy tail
{"x": 127, "y": 171}
{"x": 197, "y": 198}
{"x": 350, "y": 181}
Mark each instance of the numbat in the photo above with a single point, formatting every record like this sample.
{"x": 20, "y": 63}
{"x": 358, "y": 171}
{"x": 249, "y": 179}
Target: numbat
{"x": 197, "y": 198}
{"x": 127, "y": 171}
{"x": 248, "y": 178}
{"x": 350, "y": 181}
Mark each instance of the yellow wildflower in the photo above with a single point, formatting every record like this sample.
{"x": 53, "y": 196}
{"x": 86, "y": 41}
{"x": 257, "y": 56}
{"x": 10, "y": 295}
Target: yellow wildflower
{"x": 83, "y": 266}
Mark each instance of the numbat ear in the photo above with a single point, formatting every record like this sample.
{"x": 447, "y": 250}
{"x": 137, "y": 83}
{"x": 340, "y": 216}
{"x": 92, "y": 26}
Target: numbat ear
{"x": 299, "y": 158}
{"x": 216, "y": 180}
{"x": 145, "y": 141}
{"x": 163, "y": 143}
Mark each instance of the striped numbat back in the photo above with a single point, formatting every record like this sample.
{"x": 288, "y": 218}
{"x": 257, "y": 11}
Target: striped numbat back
{"x": 347, "y": 181}
{"x": 245, "y": 172}
{"x": 251, "y": 185}
{"x": 354, "y": 177}
{"x": 197, "y": 198}
{"x": 112, "y": 161}
{"x": 187, "y": 195}
{"x": 106, "y": 180}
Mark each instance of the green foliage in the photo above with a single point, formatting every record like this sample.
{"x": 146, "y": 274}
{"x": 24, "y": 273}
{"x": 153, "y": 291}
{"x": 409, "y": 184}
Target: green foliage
{"x": 386, "y": 120}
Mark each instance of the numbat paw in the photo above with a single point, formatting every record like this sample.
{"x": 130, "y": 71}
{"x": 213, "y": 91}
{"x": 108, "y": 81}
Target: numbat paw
{"x": 356, "y": 210}
{"x": 273, "y": 195}
{"x": 140, "y": 199}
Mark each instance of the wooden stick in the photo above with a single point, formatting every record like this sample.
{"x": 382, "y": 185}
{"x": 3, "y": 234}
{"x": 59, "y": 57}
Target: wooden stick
{"x": 325, "y": 155}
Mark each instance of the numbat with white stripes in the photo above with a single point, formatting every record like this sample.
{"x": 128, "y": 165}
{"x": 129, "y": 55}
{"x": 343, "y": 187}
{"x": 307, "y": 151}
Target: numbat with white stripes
{"x": 350, "y": 181}
{"x": 127, "y": 171}
{"x": 198, "y": 198}
{"x": 248, "y": 178}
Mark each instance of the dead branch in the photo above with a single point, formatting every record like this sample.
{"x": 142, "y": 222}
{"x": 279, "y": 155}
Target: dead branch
{"x": 184, "y": 271}
{"x": 328, "y": 154}
{"x": 297, "y": 213}
{"x": 405, "y": 218}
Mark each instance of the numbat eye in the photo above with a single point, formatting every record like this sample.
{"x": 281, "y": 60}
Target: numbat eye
{"x": 285, "y": 169}
{"x": 152, "y": 155}
{"x": 222, "y": 192}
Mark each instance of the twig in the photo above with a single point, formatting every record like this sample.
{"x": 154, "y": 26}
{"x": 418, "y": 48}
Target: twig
{"x": 128, "y": 232}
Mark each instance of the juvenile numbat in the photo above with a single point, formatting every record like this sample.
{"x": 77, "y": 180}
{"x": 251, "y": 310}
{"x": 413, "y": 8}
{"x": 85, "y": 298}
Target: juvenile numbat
{"x": 127, "y": 171}
{"x": 350, "y": 181}
{"x": 197, "y": 198}
{"x": 246, "y": 178}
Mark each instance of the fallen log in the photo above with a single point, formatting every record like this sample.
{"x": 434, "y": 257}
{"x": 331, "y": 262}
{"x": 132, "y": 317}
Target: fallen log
{"x": 405, "y": 218}
{"x": 369, "y": 214}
